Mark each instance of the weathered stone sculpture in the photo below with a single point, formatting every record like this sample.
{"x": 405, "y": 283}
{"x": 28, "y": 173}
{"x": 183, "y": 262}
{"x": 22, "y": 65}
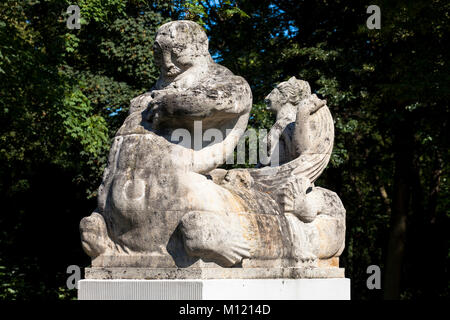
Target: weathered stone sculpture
{"x": 165, "y": 211}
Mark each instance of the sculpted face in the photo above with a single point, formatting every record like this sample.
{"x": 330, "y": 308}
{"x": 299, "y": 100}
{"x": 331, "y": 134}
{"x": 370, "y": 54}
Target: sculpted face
{"x": 178, "y": 47}
{"x": 275, "y": 100}
{"x": 168, "y": 59}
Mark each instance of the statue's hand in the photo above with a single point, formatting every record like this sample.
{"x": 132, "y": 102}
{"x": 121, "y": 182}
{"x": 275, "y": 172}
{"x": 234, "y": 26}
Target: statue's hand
{"x": 314, "y": 103}
{"x": 156, "y": 107}
{"x": 154, "y": 113}
{"x": 140, "y": 102}
{"x": 310, "y": 105}
{"x": 157, "y": 95}
{"x": 161, "y": 99}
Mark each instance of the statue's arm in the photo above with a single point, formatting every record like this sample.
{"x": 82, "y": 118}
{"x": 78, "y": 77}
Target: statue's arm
{"x": 108, "y": 174}
{"x": 141, "y": 102}
{"x": 302, "y": 131}
{"x": 211, "y": 98}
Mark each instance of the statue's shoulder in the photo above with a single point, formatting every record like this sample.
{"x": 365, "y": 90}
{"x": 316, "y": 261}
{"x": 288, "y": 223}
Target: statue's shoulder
{"x": 134, "y": 124}
{"x": 218, "y": 70}
{"x": 221, "y": 78}
{"x": 221, "y": 73}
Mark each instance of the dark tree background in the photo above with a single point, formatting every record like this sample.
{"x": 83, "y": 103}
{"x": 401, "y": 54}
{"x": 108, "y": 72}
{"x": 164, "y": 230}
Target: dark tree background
{"x": 64, "y": 93}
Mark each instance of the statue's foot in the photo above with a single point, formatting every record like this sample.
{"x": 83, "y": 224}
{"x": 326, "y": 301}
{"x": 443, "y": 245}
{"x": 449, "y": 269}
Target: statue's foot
{"x": 214, "y": 237}
{"x": 304, "y": 242}
{"x": 94, "y": 236}
{"x": 306, "y": 258}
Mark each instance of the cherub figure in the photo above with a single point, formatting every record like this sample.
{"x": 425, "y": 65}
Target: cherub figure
{"x": 301, "y": 142}
{"x": 293, "y": 104}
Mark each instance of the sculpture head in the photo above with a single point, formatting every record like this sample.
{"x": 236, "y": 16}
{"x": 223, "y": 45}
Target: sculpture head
{"x": 288, "y": 92}
{"x": 178, "y": 46}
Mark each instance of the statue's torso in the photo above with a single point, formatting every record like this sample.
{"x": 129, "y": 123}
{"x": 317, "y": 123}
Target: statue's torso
{"x": 147, "y": 178}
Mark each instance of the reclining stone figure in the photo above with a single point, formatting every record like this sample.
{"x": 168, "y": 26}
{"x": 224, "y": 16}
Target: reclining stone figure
{"x": 164, "y": 205}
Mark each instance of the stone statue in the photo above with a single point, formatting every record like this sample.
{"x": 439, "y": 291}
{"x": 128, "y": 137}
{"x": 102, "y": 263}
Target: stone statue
{"x": 166, "y": 211}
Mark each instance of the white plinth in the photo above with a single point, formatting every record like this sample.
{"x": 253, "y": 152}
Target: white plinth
{"x": 227, "y": 289}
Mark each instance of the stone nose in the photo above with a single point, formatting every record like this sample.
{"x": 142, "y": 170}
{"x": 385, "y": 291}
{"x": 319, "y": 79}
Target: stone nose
{"x": 167, "y": 60}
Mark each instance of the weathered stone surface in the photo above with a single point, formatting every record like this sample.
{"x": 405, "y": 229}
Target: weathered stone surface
{"x": 164, "y": 205}
{"x": 213, "y": 273}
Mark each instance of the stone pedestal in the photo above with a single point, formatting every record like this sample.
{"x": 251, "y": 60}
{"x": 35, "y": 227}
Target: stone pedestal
{"x": 211, "y": 273}
{"x": 170, "y": 225}
{"x": 224, "y": 289}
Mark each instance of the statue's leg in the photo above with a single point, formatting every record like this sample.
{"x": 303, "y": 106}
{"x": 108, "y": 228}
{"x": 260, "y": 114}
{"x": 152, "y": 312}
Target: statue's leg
{"x": 94, "y": 236}
{"x": 216, "y": 237}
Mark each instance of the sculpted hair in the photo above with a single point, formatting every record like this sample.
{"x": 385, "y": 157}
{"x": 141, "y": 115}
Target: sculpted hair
{"x": 294, "y": 90}
{"x": 184, "y": 33}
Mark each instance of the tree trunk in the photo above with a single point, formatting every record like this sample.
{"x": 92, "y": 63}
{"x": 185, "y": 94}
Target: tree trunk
{"x": 435, "y": 187}
{"x": 403, "y": 156}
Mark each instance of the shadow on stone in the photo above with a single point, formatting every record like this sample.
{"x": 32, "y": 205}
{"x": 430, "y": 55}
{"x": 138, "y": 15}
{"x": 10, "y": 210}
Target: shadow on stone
{"x": 176, "y": 249}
